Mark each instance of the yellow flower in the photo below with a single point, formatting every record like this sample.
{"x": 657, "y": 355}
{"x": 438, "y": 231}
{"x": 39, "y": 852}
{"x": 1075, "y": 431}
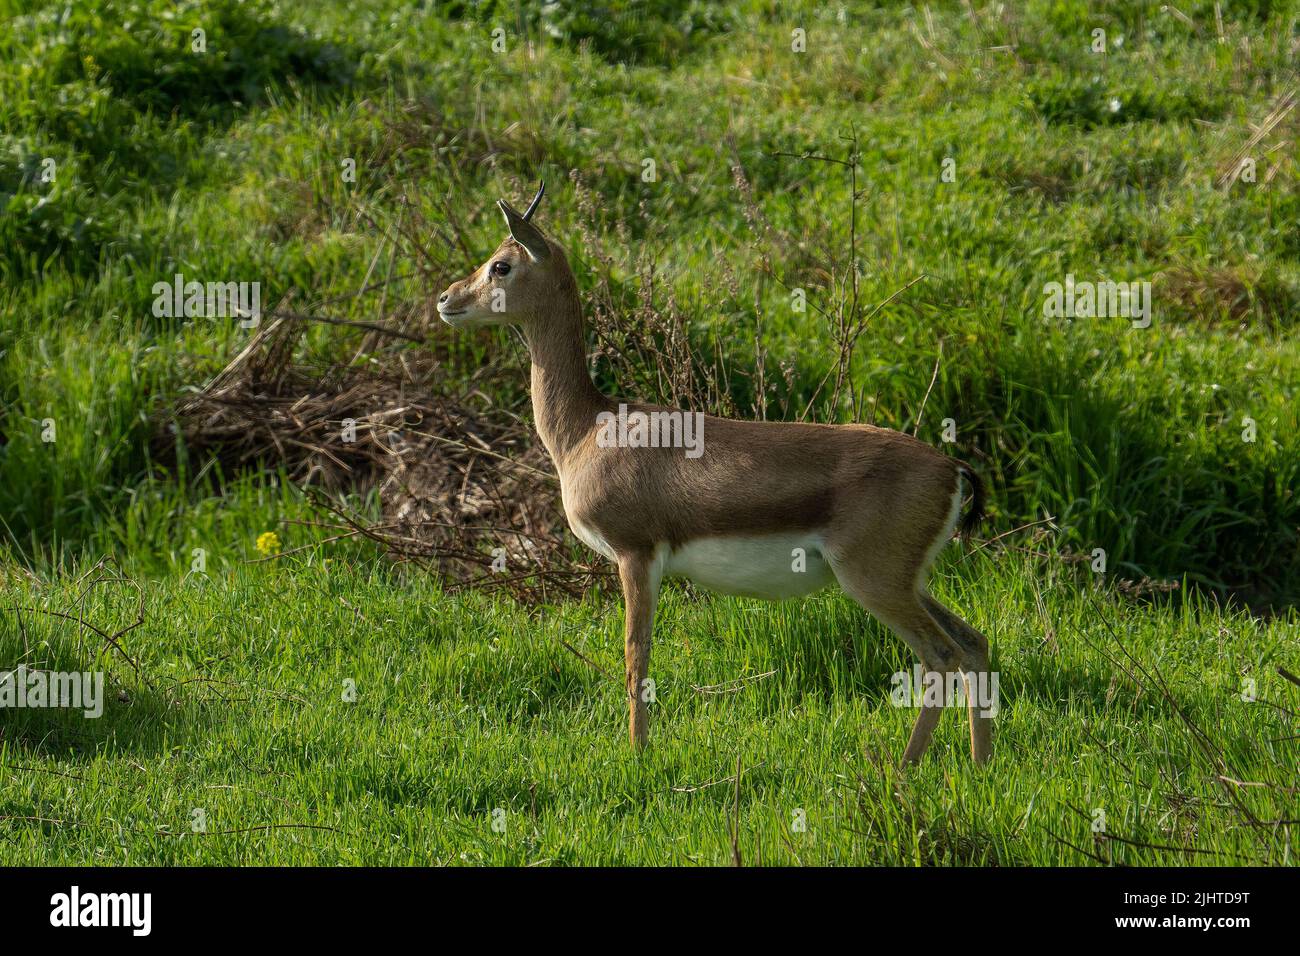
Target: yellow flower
{"x": 268, "y": 542}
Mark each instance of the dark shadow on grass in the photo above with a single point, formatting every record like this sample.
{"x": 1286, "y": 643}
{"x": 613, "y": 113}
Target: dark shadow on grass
{"x": 135, "y": 719}
{"x": 115, "y": 709}
{"x": 167, "y": 89}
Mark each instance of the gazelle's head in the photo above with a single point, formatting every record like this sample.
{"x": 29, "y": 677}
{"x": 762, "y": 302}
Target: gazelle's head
{"x": 519, "y": 282}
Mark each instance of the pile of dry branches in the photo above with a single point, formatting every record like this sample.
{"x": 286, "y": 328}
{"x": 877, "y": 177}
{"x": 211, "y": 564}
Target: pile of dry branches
{"x": 462, "y": 487}
{"x": 461, "y": 484}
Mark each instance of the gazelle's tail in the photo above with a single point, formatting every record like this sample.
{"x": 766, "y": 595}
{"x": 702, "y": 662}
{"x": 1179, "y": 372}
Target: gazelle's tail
{"x": 976, "y": 513}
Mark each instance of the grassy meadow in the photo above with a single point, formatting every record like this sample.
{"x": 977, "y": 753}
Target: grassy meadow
{"x": 915, "y": 173}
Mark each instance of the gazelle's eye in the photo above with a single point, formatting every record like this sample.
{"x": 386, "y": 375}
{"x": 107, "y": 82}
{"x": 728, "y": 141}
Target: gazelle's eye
{"x": 500, "y": 268}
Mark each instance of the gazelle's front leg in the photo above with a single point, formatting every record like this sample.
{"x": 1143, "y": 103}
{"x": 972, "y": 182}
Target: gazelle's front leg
{"x": 639, "y": 575}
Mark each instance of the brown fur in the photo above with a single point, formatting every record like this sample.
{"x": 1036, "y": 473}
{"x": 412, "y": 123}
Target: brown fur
{"x": 881, "y": 499}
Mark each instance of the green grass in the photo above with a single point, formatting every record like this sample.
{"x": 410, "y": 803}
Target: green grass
{"x": 226, "y": 165}
{"x": 464, "y": 706}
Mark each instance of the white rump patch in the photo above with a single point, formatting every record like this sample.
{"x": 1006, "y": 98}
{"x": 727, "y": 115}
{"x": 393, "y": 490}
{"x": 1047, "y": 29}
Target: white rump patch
{"x": 954, "y": 512}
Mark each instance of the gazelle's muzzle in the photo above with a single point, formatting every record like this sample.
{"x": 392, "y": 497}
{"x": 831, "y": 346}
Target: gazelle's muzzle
{"x": 452, "y": 304}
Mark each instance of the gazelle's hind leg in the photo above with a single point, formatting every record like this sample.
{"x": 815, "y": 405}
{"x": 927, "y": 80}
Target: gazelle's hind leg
{"x": 975, "y": 649}
{"x": 900, "y": 608}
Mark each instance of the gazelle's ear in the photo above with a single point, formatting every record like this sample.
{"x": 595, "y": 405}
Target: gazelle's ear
{"x": 524, "y": 232}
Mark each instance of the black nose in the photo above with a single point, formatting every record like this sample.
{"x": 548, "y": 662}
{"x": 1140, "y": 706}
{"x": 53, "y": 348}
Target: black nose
{"x": 442, "y": 298}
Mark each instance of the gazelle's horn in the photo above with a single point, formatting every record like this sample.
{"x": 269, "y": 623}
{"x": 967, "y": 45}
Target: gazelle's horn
{"x": 541, "y": 188}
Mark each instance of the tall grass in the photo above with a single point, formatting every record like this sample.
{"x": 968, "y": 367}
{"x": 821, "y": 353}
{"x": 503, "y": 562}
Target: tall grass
{"x": 229, "y": 166}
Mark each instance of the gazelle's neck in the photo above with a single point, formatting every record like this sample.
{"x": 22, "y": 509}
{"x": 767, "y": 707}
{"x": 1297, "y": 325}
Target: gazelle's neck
{"x": 565, "y": 401}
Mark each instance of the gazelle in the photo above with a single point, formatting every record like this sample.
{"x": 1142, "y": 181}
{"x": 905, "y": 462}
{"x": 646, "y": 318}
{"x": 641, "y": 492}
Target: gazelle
{"x": 869, "y": 508}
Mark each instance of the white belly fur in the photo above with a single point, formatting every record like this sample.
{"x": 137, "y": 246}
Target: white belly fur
{"x": 592, "y": 539}
{"x": 763, "y": 567}
{"x": 752, "y": 566}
